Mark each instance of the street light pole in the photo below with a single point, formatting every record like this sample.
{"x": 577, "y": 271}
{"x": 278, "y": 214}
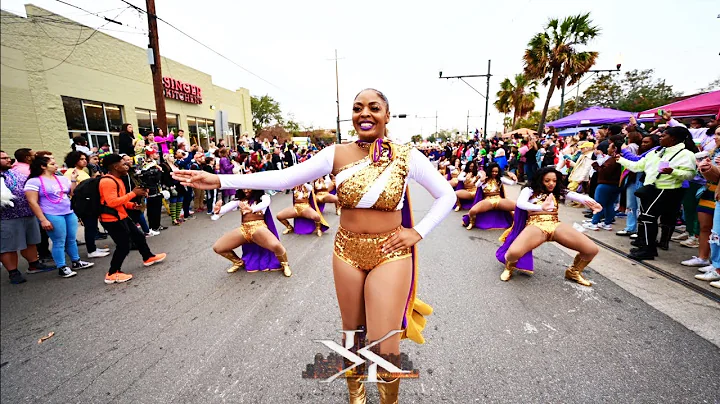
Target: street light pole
{"x": 487, "y": 91}
{"x": 337, "y": 100}
{"x": 577, "y": 97}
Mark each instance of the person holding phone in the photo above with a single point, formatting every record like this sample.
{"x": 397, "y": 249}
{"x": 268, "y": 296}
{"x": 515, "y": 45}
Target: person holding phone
{"x": 660, "y": 196}
{"x": 709, "y": 168}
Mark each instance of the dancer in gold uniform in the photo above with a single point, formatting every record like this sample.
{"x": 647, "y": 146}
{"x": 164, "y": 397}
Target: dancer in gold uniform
{"x": 372, "y": 177}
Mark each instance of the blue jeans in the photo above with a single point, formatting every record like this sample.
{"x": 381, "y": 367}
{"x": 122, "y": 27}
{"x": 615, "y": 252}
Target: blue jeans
{"x": 606, "y": 195}
{"x": 63, "y": 238}
{"x": 632, "y": 205}
{"x": 714, "y": 238}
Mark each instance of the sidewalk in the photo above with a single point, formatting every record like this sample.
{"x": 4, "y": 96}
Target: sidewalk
{"x": 667, "y": 260}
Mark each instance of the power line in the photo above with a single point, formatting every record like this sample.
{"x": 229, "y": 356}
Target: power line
{"x": 200, "y": 43}
{"x": 77, "y": 43}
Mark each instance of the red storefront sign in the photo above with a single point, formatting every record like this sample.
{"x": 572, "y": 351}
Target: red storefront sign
{"x": 177, "y": 90}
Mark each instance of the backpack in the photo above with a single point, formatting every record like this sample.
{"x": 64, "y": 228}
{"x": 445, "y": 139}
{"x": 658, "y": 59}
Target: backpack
{"x": 86, "y": 199}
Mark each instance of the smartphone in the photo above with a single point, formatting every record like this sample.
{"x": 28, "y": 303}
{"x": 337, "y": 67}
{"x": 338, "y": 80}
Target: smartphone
{"x": 661, "y": 112}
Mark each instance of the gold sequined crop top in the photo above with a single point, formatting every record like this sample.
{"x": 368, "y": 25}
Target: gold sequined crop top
{"x": 376, "y": 185}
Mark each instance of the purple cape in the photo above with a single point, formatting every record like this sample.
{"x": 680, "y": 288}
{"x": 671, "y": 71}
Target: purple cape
{"x": 466, "y": 204}
{"x": 257, "y": 258}
{"x": 492, "y": 219}
{"x": 307, "y": 226}
{"x": 413, "y": 321}
{"x": 526, "y": 261}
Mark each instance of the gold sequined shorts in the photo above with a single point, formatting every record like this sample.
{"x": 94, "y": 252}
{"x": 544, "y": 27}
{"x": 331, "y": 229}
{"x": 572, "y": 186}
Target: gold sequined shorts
{"x": 494, "y": 200}
{"x": 300, "y": 207}
{"x": 363, "y": 250}
{"x": 321, "y": 194}
{"x": 248, "y": 229}
{"x": 545, "y": 222}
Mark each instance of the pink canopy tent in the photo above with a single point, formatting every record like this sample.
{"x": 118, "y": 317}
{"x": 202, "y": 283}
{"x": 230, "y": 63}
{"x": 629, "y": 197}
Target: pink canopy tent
{"x": 707, "y": 104}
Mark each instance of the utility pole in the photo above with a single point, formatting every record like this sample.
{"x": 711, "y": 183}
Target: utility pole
{"x": 436, "y": 131}
{"x": 467, "y": 125}
{"x": 577, "y": 97}
{"x": 486, "y": 95}
{"x": 155, "y": 68}
{"x": 337, "y": 100}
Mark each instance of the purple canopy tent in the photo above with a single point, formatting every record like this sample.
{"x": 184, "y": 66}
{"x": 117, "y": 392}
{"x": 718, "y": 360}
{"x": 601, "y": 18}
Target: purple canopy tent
{"x": 592, "y": 116}
{"x": 707, "y": 104}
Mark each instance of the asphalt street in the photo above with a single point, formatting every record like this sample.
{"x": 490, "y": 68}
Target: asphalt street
{"x": 185, "y": 331}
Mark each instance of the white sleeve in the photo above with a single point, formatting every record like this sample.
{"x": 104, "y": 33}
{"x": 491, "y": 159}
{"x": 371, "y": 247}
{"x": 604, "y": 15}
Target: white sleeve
{"x": 228, "y": 207}
{"x": 576, "y": 197}
{"x": 308, "y": 187}
{"x": 462, "y": 176}
{"x": 507, "y": 181}
{"x": 422, "y": 171}
{"x": 479, "y": 183}
{"x": 328, "y": 181}
{"x": 523, "y": 201}
{"x": 320, "y": 165}
{"x": 262, "y": 205}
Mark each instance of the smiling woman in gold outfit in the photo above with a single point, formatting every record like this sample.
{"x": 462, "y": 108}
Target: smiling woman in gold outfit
{"x": 374, "y": 264}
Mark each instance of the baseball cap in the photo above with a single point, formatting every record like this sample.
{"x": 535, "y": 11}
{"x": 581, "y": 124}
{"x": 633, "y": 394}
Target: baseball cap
{"x": 587, "y": 144}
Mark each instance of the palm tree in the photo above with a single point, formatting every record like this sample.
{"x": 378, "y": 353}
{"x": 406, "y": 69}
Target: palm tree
{"x": 518, "y": 97}
{"x": 551, "y": 55}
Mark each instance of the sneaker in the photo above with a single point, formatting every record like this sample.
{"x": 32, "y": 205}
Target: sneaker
{"x": 706, "y": 268}
{"x": 624, "y": 233}
{"x": 680, "y": 227}
{"x": 709, "y": 276}
{"x": 66, "y": 272}
{"x": 715, "y": 284}
{"x": 117, "y": 277}
{"x": 691, "y": 242}
{"x": 107, "y": 250}
{"x": 680, "y": 237}
{"x": 154, "y": 232}
{"x": 155, "y": 259}
{"x": 192, "y": 212}
{"x": 16, "y": 277}
{"x": 696, "y": 262}
{"x": 190, "y": 217}
{"x": 98, "y": 254}
{"x": 634, "y": 236}
{"x": 82, "y": 264}
{"x": 587, "y": 221}
{"x": 590, "y": 226}
{"x": 605, "y": 226}
{"x": 39, "y": 268}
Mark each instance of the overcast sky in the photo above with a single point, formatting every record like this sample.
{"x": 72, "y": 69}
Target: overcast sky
{"x": 398, "y": 47}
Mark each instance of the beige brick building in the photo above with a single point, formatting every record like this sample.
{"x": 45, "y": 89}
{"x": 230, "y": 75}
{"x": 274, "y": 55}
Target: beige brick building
{"x": 60, "y": 79}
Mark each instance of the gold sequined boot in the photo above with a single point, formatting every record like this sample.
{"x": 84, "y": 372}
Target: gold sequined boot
{"x": 289, "y": 229}
{"x": 237, "y": 262}
{"x": 472, "y": 222}
{"x": 389, "y": 391}
{"x": 574, "y": 272}
{"x": 356, "y": 388}
{"x": 284, "y": 263}
{"x": 510, "y": 266}
{"x": 318, "y": 229}
{"x": 457, "y": 206}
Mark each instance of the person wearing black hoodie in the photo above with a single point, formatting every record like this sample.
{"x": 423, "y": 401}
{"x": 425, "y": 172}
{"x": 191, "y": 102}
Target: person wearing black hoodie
{"x": 127, "y": 140}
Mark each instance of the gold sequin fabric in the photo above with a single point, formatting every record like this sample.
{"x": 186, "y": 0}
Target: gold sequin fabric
{"x": 469, "y": 183}
{"x": 351, "y": 191}
{"x": 494, "y": 200}
{"x": 547, "y": 222}
{"x": 491, "y": 187}
{"x": 301, "y": 194}
{"x": 320, "y": 186}
{"x": 248, "y": 229}
{"x": 363, "y": 250}
{"x": 321, "y": 194}
{"x": 392, "y": 194}
{"x": 300, "y": 207}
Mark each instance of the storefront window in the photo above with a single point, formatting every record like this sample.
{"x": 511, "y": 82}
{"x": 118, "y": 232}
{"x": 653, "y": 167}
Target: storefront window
{"x": 114, "y": 118}
{"x": 147, "y": 125}
{"x": 73, "y": 113}
{"x": 144, "y": 125}
{"x": 97, "y": 122}
{"x": 95, "y": 117}
{"x": 193, "y": 130}
{"x": 172, "y": 123}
